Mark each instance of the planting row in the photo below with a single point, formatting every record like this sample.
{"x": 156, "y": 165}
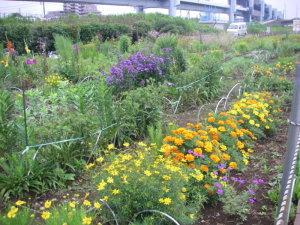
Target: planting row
{"x": 194, "y": 166}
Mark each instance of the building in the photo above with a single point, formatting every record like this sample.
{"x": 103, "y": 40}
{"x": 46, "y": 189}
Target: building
{"x": 79, "y": 8}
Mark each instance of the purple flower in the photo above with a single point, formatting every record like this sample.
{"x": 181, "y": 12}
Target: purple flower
{"x": 235, "y": 179}
{"x": 136, "y": 70}
{"x": 218, "y": 185}
{"x": 220, "y": 192}
{"x": 224, "y": 179}
{"x": 258, "y": 181}
{"x": 251, "y": 192}
{"x": 252, "y": 200}
{"x": 221, "y": 166}
{"x": 30, "y": 61}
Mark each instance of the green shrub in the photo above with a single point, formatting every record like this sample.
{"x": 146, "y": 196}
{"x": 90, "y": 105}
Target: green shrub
{"x": 167, "y": 46}
{"x": 138, "y": 109}
{"x": 124, "y": 43}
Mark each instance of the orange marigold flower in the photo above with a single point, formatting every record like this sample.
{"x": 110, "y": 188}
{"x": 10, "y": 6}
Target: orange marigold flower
{"x": 178, "y": 141}
{"x": 188, "y": 135}
{"x": 189, "y": 157}
{"x": 214, "y": 158}
{"x": 222, "y": 170}
{"x": 168, "y": 139}
{"x": 240, "y": 144}
{"x": 204, "y": 168}
{"x": 233, "y": 165}
{"x": 200, "y": 143}
{"x": 206, "y": 186}
{"x": 208, "y": 146}
{"x": 225, "y": 157}
{"x": 211, "y": 119}
{"x": 221, "y": 122}
{"x": 233, "y": 134}
{"x": 198, "y": 151}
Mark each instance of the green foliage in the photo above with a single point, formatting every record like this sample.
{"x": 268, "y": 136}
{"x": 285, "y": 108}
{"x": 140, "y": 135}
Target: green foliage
{"x": 202, "y": 81}
{"x": 267, "y": 83}
{"x": 23, "y": 173}
{"x": 8, "y": 133}
{"x": 235, "y": 203}
{"x": 241, "y": 47}
{"x": 167, "y": 46}
{"x": 65, "y": 214}
{"x": 124, "y": 43}
{"x": 138, "y": 109}
{"x": 22, "y": 217}
{"x": 155, "y": 134}
{"x": 256, "y": 28}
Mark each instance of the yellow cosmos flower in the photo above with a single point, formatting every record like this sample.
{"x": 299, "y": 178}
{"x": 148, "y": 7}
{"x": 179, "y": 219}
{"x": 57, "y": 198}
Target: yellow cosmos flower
{"x": 165, "y": 201}
{"x": 45, "y": 215}
{"x": 86, "y": 220}
{"x": 88, "y": 166}
{"x": 252, "y": 122}
{"x": 12, "y": 212}
{"x": 100, "y": 159}
{"x": 166, "y": 177}
{"x": 101, "y": 185}
{"x": 47, "y": 204}
{"x": 126, "y": 144}
{"x": 97, "y": 205}
{"x": 115, "y": 191}
{"x": 72, "y": 204}
{"x": 20, "y": 202}
{"x": 110, "y": 180}
{"x": 87, "y": 203}
{"x": 110, "y": 146}
{"x": 147, "y": 173}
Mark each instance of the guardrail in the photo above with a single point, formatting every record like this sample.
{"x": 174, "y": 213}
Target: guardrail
{"x": 288, "y": 178}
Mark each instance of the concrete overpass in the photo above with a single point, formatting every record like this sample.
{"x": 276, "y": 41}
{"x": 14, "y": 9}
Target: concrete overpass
{"x": 248, "y": 9}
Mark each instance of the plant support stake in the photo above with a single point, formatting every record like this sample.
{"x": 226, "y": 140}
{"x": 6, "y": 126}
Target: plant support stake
{"x": 25, "y": 118}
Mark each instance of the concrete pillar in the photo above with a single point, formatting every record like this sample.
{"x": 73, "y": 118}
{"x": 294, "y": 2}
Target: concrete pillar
{"x": 172, "y": 8}
{"x": 275, "y": 14}
{"x": 251, "y": 8}
{"x": 232, "y": 10}
{"x": 139, "y": 9}
{"x": 262, "y": 10}
{"x": 270, "y": 12}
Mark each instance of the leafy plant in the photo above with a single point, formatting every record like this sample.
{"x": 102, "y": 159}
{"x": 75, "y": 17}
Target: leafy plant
{"x": 234, "y": 203}
{"x": 124, "y": 43}
{"x": 8, "y": 133}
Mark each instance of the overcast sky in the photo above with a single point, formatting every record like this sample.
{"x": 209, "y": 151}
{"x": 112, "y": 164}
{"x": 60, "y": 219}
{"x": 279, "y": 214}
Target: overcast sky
{"x": 292, "y": 7}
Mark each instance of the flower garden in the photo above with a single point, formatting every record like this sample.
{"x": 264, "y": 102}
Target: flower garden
{"x": 100, "y": 131}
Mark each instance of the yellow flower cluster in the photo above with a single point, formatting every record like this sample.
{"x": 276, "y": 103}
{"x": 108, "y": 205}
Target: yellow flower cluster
{"x": 285, "y": 67}
{"x": 259, "y": 70}
{"x": 53, "y": 80}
